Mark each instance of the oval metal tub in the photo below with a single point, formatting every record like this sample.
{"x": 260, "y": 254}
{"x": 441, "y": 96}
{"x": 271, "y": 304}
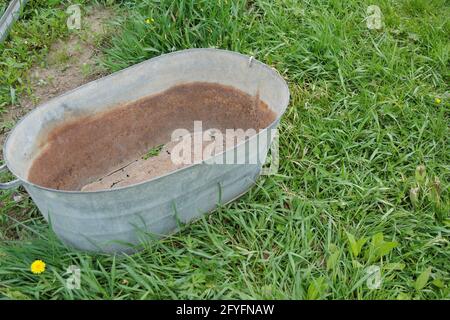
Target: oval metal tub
{"x": 112, "y": 220}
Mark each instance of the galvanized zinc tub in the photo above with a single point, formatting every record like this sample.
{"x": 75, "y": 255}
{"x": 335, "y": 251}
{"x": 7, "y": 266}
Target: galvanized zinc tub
{"x": 115, "y": 220}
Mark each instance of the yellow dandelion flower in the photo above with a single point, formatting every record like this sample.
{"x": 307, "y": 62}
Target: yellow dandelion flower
{"x": 437, "y": 100}
{"x": 38, "y": 266}
{"x": 149, "y": 20}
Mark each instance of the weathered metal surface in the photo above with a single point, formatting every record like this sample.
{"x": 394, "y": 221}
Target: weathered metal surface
{"x": 9, "y": 16}
{"x": 8, "y": 185}
{"x": 112, "y": 220}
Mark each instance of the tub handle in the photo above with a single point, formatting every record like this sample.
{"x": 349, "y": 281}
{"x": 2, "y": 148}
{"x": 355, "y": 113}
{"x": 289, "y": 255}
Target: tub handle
{"x": 11, "y": 184}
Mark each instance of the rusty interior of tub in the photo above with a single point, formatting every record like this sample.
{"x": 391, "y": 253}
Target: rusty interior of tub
{"x": 108, "y": 149}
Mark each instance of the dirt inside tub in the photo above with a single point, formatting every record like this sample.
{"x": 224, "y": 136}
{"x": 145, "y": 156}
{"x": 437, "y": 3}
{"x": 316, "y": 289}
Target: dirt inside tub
{"x": 134, "y": 142}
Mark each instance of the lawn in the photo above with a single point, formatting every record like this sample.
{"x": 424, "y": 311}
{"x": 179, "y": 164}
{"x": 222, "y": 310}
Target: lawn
{"x": 363, "y": 184}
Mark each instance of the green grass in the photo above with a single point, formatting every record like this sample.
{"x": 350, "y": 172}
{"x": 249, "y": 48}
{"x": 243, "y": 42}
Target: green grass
{"x": 28, "y": 42}
{"x": 41, "y": 23}
{"x": 367, "y": 108}
{"x": 153, "y": 152}
{"x": 3, "y": 7}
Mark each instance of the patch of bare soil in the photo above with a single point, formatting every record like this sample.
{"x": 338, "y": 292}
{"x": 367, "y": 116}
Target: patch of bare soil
{"x": 70, "y": 63}
{"x": 144, "y": 169}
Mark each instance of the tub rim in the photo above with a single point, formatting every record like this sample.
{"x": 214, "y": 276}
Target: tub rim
{"x": 251, "y": 59}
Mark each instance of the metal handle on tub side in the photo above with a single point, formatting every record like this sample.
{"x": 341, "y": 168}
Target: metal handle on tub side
{"x": 11, "y": 184}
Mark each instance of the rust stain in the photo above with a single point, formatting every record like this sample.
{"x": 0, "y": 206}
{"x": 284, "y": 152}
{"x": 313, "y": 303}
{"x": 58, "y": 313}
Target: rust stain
{"x": 81, "y": 151}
